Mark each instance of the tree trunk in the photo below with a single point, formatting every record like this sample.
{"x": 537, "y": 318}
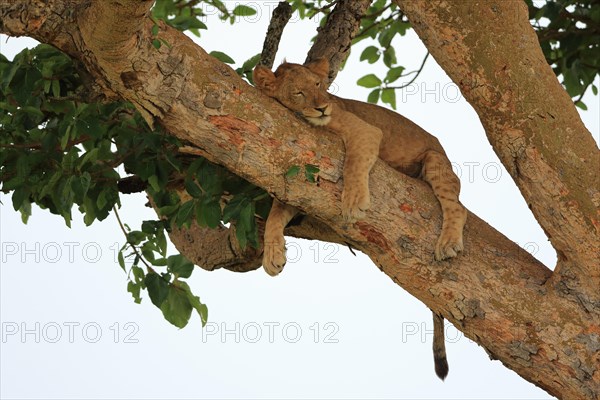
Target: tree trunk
{"x": 493, "y": 293}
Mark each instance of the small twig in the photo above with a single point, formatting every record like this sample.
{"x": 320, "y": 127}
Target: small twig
{"x": 393, "y": 16}
{"x": 350, "y": 248}
{"x": 417, "y": 72}
{"x": 322, "y": 9}
{"x": 582, "y": 93}
{"x": 135, "y": 250}
{"x": 39, "y": 146}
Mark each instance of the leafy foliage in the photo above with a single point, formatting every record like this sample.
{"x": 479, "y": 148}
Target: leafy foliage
{"x": 60, "y": 150}
{"x": 568, "y": 31}
{"x": 383, "y": 23}
{"x": 569, "y": 34}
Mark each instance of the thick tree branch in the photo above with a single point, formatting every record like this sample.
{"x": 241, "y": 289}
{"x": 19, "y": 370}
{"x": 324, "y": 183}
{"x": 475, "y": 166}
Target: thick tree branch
{"x": 491, "y": 51}
{"x": 494, "y": 292}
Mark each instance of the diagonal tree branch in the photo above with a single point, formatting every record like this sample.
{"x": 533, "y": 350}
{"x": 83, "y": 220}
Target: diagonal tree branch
{"x": 492, "y": 293}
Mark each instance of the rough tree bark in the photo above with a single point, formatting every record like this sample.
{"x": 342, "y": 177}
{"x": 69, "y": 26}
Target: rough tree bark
{"x": 335, "y": 38}
{"x": 279, "y": 19}
{"x": 496, "y": 293}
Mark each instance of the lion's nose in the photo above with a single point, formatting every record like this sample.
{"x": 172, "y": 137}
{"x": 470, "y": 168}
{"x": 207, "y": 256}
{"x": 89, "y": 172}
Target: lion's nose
{"x": 322, "y": 109}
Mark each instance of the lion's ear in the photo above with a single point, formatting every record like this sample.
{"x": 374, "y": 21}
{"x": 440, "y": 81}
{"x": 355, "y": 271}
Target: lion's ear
{"x": 320, "y": 67}
{"x": 264, "y": 79}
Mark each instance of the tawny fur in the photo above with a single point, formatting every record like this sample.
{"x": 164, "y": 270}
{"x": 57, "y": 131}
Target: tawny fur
{"x": 368, "y": 132}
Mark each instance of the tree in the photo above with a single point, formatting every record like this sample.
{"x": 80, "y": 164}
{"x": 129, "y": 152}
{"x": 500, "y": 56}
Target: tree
{"x": 198, "y": 107}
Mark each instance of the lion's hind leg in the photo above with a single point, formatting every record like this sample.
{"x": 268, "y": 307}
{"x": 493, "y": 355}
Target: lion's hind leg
{"x": 437, "y": 171}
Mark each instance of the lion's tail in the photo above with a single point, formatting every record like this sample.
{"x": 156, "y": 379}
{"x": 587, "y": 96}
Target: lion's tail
{"x": 439, "y": 347}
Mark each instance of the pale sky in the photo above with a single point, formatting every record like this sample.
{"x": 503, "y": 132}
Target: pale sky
{"x": 330, "y": 326}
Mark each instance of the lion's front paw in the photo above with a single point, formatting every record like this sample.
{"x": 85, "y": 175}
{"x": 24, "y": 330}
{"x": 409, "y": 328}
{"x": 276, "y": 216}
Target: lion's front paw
{"x": 355, "y": 202}
{"x": 448, "y": 245}
{"x": 274, "y": 257}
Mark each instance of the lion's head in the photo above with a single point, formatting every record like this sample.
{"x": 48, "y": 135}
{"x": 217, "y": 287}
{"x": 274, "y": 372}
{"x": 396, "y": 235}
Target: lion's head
{"x": 301, "y": 88}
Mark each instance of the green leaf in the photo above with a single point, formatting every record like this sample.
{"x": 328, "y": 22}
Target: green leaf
{"x": 572, "y": 81}
{"x": 240, "y": 235}
{"x": 135, "y": 237}
{"x": 102, "y": 201}
{"x": 581, "y": 105}
{"x": 231, "y": 211}
{"x": 385, "y": 36}
{"x": 153, "y": 181}
{"x": 209, "y": 179}
{"x": 156, "y": 43}
{"x": 150, "y": 227}
{"x": 212, "y": 213}
{"x": 19, "y": 196}
{"x": 389, "y": 56}
{"x": 371, "y": 54}
{"x": 138, "y": 274}
{"x": 193, "y": 189}
{"x": 595, "y": 90}
{"x": 222, "y": 57}
{"x": 180, "y": 266}
{"x": 155, "y": 29}
{"x": 374, "y": 96}
{"x": 163, "y": 41}
{"x": 292, "y": 172}
{"x": 159, "y": 262}
{"x": 161, "y": 242}
{"x": 245, "y": 224}
{"x": 121, "y": 259}
{"x": 90, "y": 156}
{"x": 208, "y": 213}
{"x": 32, "y": 110}
{"x": 250, "y": 63}
{"x": 185, "y": 213}
{"x": 134, "y": 289}
{"x": 388, "y": 96}
{"x": 184, "y": 22}
{"x": 158, "y": 288}
{"x": 310, "y": 172}
{"x": 177, "y": 308}
{"x": 243, "y": 11}
{"x": 147, "y": 251}
{"x": 195, "y": 302}
{"x": 85, "y": 180}
{"x": 393, "y": 74}
{"x": 369, "y": 81}
{"x": 65, "y": 138}
{"x": 25, "y": 211}
{"x": 56, "y": 88}
{"x": 90, "y": 211}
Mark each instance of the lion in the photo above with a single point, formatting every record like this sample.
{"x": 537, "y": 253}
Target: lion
{"x": 368, "y": 132}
